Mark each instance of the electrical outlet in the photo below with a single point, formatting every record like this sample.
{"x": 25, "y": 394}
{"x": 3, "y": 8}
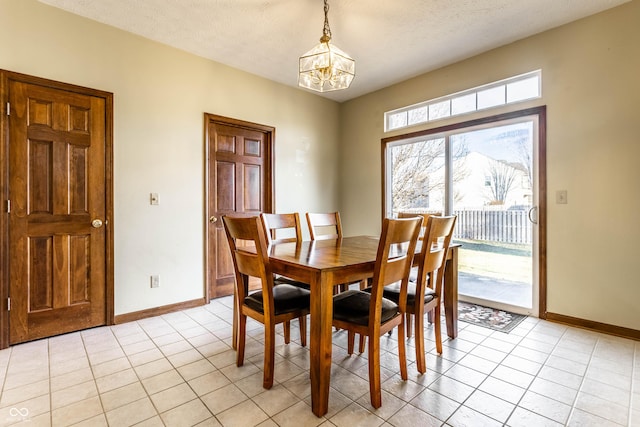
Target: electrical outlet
{"x": 561, "y": 197}
{"x": 155, "y": 281}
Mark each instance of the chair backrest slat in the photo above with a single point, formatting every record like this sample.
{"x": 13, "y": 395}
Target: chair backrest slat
{"x": 287, "y": 221}
{"x": 319, "y": 222}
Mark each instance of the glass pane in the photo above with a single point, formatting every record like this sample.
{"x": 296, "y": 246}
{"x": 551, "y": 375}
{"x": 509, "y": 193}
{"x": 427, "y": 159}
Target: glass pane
{"x": 524, "y": 89}
{"x": 397, "y": 120}
{"x": 417, "y": 115}
{"x": 439, "y": 110}
{"x": 492, "y": 194}
{"x": 491, "y": 97}
{"x": 463, "y": 104}
{"x": 417, "y": 177}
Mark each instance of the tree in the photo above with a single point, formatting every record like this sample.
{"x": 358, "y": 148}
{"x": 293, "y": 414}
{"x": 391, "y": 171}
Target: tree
{"x": 418, "y": 172}
{"x": 501, "y": 177}
{"x": 412, "y": 164}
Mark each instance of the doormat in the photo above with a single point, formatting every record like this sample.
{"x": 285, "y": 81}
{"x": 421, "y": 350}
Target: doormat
{"x": 492, "y": 318}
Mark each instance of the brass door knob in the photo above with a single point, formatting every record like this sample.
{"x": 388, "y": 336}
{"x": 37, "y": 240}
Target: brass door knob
{"x": 96, "y": 223}
{"x": 213, "y": 219}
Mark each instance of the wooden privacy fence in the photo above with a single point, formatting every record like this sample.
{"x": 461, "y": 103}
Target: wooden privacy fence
{"x": 496, "y": 226}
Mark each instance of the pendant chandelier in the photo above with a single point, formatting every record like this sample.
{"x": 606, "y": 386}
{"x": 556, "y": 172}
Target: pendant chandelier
{"x": 325, "y": 67}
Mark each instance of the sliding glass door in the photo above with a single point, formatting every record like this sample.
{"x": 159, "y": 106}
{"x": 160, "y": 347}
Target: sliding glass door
{"x": 487, "y": 175}
{"x": 493, "y": 198}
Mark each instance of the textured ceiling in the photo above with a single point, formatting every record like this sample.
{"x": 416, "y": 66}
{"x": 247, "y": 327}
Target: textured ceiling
{"x": 391, "y": 40}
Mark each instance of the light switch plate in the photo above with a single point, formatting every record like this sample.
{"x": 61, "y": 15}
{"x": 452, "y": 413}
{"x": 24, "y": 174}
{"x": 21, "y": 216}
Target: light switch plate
{"x": 561, "y": 197}
{"x": 153, "y": 199}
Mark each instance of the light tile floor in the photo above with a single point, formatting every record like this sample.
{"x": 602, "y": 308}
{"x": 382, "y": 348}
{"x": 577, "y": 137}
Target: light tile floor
{"x": 179, "y": 370}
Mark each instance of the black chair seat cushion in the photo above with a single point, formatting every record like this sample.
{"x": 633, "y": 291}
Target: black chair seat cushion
{"x": 281, "y": 280}
{"x": 352, "y": 306}
{"x": 286, "y": 298}
{"x": 392, "y": 292}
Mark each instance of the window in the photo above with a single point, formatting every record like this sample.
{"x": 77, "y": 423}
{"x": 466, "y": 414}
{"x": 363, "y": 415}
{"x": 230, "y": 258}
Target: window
{"x": 503, "y": 92}
{"x": 418, "y": 178}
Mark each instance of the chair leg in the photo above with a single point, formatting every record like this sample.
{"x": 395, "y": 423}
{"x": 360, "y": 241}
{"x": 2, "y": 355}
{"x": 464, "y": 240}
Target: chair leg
{"x": 241, "y": 335}
{"x": 287, "y": 331}
{"x": 234, "y": 327}
{"x": 351, "y": 338}
{"x": 407, "y": 317}
{"x": 303, "y": 330}
{"x": 430, "y": 317}
{"x": 269, "y": 354}
{"x": 375, "y": 390}
{"x": 421, "y": 363}
{"x": 363, "y": 342}
{"x": 402, "y": 351}
{"x": 438, "y": 324}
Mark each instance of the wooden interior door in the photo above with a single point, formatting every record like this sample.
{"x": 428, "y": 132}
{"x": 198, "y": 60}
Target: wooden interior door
{"x": 239, "y": 182}
{"x": 59, "y": 210}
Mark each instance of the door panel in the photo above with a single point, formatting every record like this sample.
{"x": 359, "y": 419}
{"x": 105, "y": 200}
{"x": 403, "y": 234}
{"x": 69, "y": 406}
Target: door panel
{"x": 57, "y": 187}
{"x": 239, "y": 182}
{"x": 492, "y": 202}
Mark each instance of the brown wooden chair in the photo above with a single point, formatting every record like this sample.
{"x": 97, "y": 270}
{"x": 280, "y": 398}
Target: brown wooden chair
{"x": 324, "y": 226}
{"x": 425, "y": 294}
{"x": 413, "y": 277}
{"x": 270, "y": 305}
{"x": 327, "y": 226}
{"x": 275, "y": 224}
{"x": 275, "y": 227}
{"x": 371, "y": 315}
{"x": 424, "y": 215}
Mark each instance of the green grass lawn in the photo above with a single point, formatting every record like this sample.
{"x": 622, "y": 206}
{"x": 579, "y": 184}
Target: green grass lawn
{"x": 495, "y": 260}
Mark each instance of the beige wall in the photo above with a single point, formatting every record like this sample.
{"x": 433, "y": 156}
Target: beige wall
{"x": 591, "y": 87}
{"x": 160, "y": 97}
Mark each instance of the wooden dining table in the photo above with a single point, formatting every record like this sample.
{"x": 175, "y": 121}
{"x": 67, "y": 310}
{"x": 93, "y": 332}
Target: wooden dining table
{"x": 323, "y": 265}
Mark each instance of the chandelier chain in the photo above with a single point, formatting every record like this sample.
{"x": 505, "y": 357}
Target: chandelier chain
{"x": 326, "y": 32}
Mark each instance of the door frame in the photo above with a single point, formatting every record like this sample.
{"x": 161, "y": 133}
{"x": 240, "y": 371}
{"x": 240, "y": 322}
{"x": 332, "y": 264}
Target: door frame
{"x": 269, "y": 191}
{"x": 541, "y": 113}
{"x": 5, "y": 78}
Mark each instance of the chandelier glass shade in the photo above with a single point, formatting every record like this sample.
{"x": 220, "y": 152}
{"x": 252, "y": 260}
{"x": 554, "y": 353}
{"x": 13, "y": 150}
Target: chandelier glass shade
{"x": 326, "y": 67}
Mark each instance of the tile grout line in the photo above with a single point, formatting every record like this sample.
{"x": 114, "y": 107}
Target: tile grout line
{"x": 6, "y": 373}
{"x": 517, "y": 404}
{"x": 49, "y": 371}
{"x": 578, "y": 391}
{"x": 455, "y": 363}
{"x": 198, "y": 397}
{"x": 487, "y": 376}
{"x": 95, "y": 383}
{"x": 136, "y": 374}
{"x": 632, "y": 389}
{"x": 582, "y": 381}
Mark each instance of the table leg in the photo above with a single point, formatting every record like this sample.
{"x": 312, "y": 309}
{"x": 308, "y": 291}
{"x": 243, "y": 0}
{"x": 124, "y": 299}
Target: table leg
{"x": 451, "y": 293}
{"x": 320, "y": 345}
